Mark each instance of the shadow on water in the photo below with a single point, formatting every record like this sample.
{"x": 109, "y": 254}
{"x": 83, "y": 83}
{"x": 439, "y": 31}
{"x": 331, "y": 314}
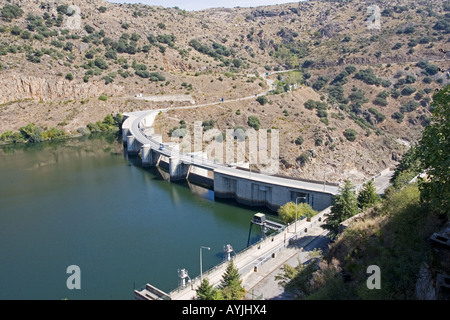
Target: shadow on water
{"x": 202, "y": 192}
{"x": 199, "y": 190}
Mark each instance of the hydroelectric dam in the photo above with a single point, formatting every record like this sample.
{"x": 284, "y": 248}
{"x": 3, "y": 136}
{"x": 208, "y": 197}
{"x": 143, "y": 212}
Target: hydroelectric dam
{"x": 227, "y": 180}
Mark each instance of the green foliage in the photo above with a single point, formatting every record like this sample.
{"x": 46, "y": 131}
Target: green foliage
{"x": 10, "y": 12}
{"x": 230, "y": 287}
{"x": 357, "y": 96}
{"x": 27, "y": 130}
{"x": 253, "y": 122}
{"x": 109, "y": 123}
{"x": 156, "y": 76}
{"x": 208, "y": 124}
{"x": 177, "y": 132}
{"x": 32, "y": 134}
{"x": 102, "y": 97}
{"x": 100, "y": 63}
{"x": 299, "y": 140}
{"x": 398, "y": 116}
{"x": 287, "y": 211}
{"x": 262, "y": 100}
{"x": 297, "y": 280}
{"x": 291, "y": 51}
{"x": 231, "y": 284}
{"x": 311, "y": 104}
{"x": 89, "y": 28}
{"x": 207, "y": 292}
{"x": 322, "y": 113}
{"x": 111, "y": 54}
{"x": 336, "y": 91}
{"x": 350, "y": 134}
{"x": 435, "y": 154}
{"x": 16, "y": 30}
{"x": 34, "y": 56}
{"x": 408, "y": 90}
{"x": 442, "y": 25}
{"x": 410, "y": 162}
{"x": 68, "y": 46}
{"x": 428, "y": 68}
{"x": 168, "y": 39}
{"x": 409, "y": 106}
{"x": 401, "y": 248}
{"x": 62, "y": 9}
{"x": 380, "y": 101}
{"x": 320, "y": 83}
{"x": 345, "y": 205}
{"x": 340, "y": 79}
{"x": 368, "y": 196}
{"x": 36, "y": 136}
{"x": 367, "y": 76}
{"x": 7, "y": 135}
{"x": 217, "y": 50}
{"x": 380, "y": 117}
{"x": 303, "y": 158}
{"x": 393, "y": 237}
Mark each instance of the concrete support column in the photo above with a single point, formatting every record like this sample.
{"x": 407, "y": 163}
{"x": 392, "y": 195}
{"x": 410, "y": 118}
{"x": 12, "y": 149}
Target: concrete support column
{"x": 125, "y": 133}
{"x": 146, "y": 155}
{"x": 177, "y": 169}
{"x": 133, "y": 146}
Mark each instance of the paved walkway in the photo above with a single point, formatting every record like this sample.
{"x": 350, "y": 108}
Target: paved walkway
{"x": 262, "y": 284}
{"x": 266, "y": 256}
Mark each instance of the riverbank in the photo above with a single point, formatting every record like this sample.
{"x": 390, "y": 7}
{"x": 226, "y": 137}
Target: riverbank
{"x": 32, "y": 133}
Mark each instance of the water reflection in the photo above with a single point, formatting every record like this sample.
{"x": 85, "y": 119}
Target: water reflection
{"x": 83, "y": 201}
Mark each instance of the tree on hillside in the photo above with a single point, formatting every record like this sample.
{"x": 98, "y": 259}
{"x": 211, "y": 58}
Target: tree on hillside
{"x": 262, "y": 100}
{"x": 434, "y": 152}
{"x": 231, "y": 284}
{"x": 10, "y": 12}
{"x": 345, "y": 205}
{"x": 368, "y": 196}
{"x": 408, "y": 167}
{"x": 253, "y": 122}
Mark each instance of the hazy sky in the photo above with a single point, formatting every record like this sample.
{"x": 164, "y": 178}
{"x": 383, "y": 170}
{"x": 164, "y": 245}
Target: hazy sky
{"x": 204, "y": 4}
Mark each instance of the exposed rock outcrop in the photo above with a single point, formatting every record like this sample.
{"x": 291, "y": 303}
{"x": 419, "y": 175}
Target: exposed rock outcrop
{"x": 15, "y": 87}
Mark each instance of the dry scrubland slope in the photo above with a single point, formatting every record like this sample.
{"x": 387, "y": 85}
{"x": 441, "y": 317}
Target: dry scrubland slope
{"x": 377, "y": 82}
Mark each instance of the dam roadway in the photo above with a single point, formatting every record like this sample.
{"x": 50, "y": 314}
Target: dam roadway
{"x": 246, "y": 187}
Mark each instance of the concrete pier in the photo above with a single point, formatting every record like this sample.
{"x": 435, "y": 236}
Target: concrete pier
{"x": 133, "y": 146}
{"x": 177, "y": 169}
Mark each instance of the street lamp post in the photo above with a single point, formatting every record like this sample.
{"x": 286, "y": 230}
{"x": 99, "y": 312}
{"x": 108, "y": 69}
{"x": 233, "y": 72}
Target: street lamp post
{"x": 296, "y": 212}
{"x": 201, "y": 276}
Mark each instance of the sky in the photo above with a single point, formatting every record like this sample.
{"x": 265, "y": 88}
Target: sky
{"x": 190, "y": 5}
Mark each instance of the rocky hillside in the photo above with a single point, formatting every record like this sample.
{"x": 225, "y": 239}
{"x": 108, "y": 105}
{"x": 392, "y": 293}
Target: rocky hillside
{"x": 361, "y": 93}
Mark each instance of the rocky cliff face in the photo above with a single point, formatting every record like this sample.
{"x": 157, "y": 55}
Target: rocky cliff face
{"x": 15, "y": 87}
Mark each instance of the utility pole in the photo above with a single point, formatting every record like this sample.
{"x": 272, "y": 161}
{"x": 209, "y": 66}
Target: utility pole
{"x": 201, "y": 275}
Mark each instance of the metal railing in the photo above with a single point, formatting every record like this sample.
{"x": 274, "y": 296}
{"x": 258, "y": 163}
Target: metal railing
{"x": 263, "y": 258}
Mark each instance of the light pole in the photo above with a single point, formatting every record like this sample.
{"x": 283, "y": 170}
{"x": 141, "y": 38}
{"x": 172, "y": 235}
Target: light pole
{"x": 296, "y": 212}
{"x": 201, "y": 276}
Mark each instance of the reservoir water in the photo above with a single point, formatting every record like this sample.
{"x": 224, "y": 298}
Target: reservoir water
{"x": 83, "y": 202}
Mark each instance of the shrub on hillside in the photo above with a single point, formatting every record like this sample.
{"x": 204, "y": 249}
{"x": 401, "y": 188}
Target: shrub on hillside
{"x": 350, "y": 134}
